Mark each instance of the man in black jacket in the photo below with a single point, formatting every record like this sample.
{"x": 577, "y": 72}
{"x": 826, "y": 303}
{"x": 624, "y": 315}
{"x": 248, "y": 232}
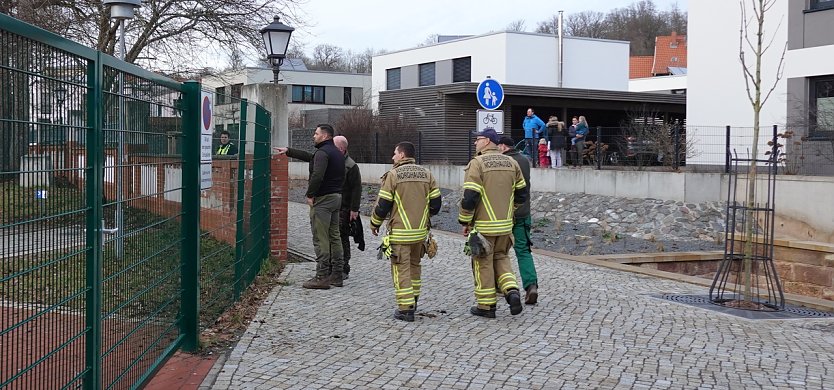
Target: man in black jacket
{"x": 351, "y": 199}
{"x": 327, "y": 173}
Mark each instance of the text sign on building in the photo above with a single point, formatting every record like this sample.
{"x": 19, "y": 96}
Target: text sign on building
{"x": 490, "y": 94}
{"x": 206, "y": 131}
{"x": 489, "y": 119}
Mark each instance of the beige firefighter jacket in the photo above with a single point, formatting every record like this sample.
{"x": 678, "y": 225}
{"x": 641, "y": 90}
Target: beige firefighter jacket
{"x": 409, "y": 194}
{"x": 492, "y": 189}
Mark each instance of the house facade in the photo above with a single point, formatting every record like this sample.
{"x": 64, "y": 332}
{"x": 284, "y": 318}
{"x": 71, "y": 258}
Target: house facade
{"x": 434, "y": 87}
{"x": 517, "y": 58}
{"x": 306, "y": 89}
{"x": 802, "y": 97}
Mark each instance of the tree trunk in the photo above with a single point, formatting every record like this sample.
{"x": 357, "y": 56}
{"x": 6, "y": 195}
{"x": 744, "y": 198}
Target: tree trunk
{"x": 750, "y": 215}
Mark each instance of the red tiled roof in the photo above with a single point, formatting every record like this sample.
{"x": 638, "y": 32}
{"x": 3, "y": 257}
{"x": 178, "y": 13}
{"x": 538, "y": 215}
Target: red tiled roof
{"x": 640, "y": 66}
{"x": 669, "y": 51}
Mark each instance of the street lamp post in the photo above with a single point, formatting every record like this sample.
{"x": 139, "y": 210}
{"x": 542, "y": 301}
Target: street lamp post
{"x": 276, "y": 39}
{"x": 121, "y": 10}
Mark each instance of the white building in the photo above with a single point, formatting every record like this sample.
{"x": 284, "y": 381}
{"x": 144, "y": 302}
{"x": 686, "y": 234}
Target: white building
{"x": 659, "y": 84}
{"x": 306, "y": 89}
{"x": 802, "y": 100}
{"x": 513, "y": 58}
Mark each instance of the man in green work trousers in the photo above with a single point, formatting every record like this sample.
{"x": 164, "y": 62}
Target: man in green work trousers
{"x": 324, "y": 196}
{"x": 521, "y": 227}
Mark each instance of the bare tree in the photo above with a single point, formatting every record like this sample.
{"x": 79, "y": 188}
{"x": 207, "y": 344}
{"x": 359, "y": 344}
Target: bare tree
{"x": 297, "y": 50}
{"x": 548, "y": 26}
{"x": 328, "y": 57}
{"x": 758, "y": 94}
{"x": 430, "y": 40}
{"x": 516, "y": 26}
{"x": 640, "y": 23}
{"x": 676, "y": 19}
{"x": 162, "y": 29}
{"x": 590, "y": 24}
{"x": 361, "y": 62}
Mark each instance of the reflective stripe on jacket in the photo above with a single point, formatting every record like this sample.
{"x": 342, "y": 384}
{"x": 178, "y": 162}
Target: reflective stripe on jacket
{"x": 409, "y": 194}
{"x": 498, "y": 181}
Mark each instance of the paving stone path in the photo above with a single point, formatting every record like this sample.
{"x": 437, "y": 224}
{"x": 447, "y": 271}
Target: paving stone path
{"x": 593, "y": 328}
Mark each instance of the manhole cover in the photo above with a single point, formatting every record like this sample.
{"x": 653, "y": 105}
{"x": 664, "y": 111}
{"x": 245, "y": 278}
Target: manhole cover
{"x": 702, "y": 301}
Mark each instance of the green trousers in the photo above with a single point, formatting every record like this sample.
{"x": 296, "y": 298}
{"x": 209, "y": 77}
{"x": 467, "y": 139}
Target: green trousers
{"x": 521, "y": 234}
{"x": 324, "y": 221}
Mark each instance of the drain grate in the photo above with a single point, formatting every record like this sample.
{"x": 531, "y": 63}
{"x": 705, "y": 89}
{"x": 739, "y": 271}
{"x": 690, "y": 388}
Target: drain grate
{"x": 702, "y": 301}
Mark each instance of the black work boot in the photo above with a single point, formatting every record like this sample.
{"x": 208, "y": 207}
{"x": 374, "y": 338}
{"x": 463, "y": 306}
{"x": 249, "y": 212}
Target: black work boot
{"x": 404, "y": 315}
{"x": 486, "y": 313}
{"x": 514, "y": 299}
{"x": 415, "y": 302}
{"x": 317, "y": 283}
{"x": 532, "y": 295}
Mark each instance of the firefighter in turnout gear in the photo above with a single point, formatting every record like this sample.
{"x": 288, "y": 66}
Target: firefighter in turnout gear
{"x": 409, "y": 196}
{"x": 493, "y": 187}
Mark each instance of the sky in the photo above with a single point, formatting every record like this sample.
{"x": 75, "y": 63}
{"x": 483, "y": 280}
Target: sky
{"x": 395, "y": 24}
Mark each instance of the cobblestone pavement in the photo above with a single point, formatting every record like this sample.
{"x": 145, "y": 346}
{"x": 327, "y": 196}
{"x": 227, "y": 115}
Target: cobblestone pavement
{"x": 592, "y": 328}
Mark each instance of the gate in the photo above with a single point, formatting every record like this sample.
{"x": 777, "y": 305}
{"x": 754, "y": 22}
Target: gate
{"x": 109, "y": 260}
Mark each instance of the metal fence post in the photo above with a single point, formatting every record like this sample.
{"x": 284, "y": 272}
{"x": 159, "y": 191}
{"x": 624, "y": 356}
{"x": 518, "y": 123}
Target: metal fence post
{"x": 599, "y": 148}
{"x": 419, "y": 147}
{"x": 469, "y": 143}
{"x": 376, "y": 147}
{"x": 775, "y": 149}
{"x": 94, "y": 184}
{"x": 727, "y": 150}
{"x": 677, "y": 159}
{"x": 240, "y": 237}
{"x": 190, "y": 254}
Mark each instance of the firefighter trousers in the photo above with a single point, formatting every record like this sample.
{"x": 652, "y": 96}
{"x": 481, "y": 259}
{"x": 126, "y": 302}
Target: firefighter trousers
{"x": 405, "y": 270}
{"x": 492, "y": 267}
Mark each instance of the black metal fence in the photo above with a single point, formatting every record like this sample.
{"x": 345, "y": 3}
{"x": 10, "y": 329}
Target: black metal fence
{"x": 653, "y": 146}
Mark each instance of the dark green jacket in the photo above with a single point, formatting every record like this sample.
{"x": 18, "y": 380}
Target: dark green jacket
{"x": 352, "y": 189}
{"x": 523, "y": 211}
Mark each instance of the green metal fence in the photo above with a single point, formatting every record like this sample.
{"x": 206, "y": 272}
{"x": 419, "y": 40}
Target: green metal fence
{"x": 105, "y": 246}
{"x": 235, "y": 235}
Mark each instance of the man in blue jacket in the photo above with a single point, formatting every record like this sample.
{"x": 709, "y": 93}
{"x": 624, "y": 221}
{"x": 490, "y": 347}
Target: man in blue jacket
{"x": 533, "y": 126}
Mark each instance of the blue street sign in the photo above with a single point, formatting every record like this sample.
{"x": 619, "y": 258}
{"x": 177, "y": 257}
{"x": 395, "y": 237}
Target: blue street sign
{"x": 490, "y": 94}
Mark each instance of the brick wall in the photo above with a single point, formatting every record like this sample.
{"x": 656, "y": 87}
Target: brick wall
{"x": 278, "y": 202}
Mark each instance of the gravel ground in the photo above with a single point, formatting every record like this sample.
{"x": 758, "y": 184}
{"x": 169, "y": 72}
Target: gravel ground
{"x": 547, "y": 233}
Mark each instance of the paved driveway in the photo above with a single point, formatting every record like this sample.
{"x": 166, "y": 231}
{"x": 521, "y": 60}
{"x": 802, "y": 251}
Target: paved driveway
{"x": 592, "y": 328}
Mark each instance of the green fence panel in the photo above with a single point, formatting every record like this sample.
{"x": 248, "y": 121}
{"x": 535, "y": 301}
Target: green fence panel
{"x": 234, "y": 221}
{"x": 91, "y": 215}
{"x": 112, "y": 255}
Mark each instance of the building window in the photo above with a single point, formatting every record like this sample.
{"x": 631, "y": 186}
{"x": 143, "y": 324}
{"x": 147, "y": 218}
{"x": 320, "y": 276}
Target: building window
{"x": 822, "y": 4}
{"x": 821, "y": 112}
{"x": 236, "y": 90}
{"x": 392, "y": 79}
{"x": 307, "y": 94}
{"x": 220, "y": 95}
{"x": 462, "y": 70}
{"x": 348, "y": 96}
{"x": 426, "y": 74}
